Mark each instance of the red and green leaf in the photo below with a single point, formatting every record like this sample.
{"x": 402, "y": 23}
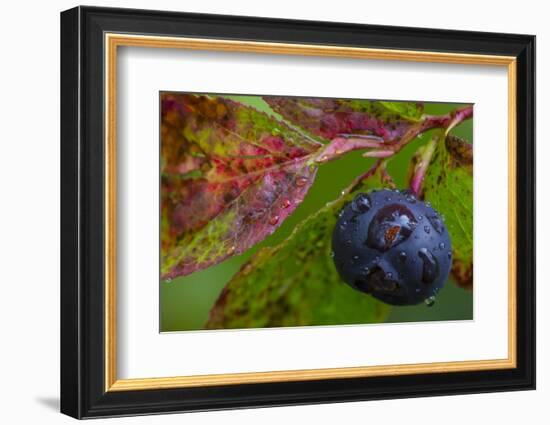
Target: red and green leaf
{"x": 330, "y": 118}
{"x": 229, "y": 174}
{"x": 448, "y": 185}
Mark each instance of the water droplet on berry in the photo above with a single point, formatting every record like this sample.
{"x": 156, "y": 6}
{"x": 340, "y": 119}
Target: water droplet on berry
{"x": 449, "y": 255}
{"x": 420, "y": 217}
{"x": 343, "y": 225}
{"x": 274, "y": 220}
{"x": 355, "y": 257}
{"x": 392, "y": 225}
{"x": 437, "y": 223}
{"x": 389, "y": 275}
{"x": 430, "y": 267}
{"x": 427, "y": 229}
{"x": 361, "y": 203}
{"x": 286, "y": 203}
{"x": 377, "y": 282}
{"x": 402, "y": 256}
{"x": 430, "y": 301}
{"x": 441, "y": 245}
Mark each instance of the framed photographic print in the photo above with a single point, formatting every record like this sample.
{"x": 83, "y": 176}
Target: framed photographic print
{"x": 262, "y": 212}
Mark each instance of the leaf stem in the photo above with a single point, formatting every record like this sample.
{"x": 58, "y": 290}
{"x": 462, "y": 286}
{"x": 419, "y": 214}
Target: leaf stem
{"x": 422, "y": 165}
{"x": 447, "y": 121}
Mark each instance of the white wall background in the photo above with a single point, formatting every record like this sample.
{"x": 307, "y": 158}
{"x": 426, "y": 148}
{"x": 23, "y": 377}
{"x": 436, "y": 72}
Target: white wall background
{"x": 29, "y": 225}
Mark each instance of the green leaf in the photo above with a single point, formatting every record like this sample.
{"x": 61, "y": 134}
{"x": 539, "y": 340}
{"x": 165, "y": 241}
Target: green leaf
{"x": 295, "y": 283}
{"x": 448, "y": 185}
{"x": 410, "y": 110}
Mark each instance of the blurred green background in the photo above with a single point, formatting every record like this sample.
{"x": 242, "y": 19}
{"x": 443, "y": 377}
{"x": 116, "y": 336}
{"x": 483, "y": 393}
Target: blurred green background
{"x": 186, "y": 301}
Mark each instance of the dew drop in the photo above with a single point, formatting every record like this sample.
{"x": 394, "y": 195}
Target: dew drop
{"x": 231, "y": 249}
{"x": 361, "y": 203}
{"x": 428, "y": 205}
{"x": 437, "y": 223}
{"x": 343, "y": 225}
{"x": 366, "y": 270}
{"x": 420, "y": 217}
{"x": 441, "y": 245}
{"x": 331, "y": 254}
{"x": 430, "y": 301}
{"x": 402, "y": 256}
{"x": 301, "y": 181}
{"x": 348, "y": 241}
{"x": 410, "y": 198}
{"x": 286, "y": 203}
{"x": 389, "y": 275}
{"x": 392, "y": 225}
{"x": 376, "y": 259}
{"x": 430, "y": 267}
{"x": 427, "y": 229}
{"x": 274, "y": 220}
{"x": 168, "y": 280}
{"x": 377, "y": 282}
{"x": 247, "y": 268}
{"x": 449, "y": 255}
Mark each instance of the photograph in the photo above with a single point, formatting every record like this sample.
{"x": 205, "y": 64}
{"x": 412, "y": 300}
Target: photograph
{"x": 285, "y": 211}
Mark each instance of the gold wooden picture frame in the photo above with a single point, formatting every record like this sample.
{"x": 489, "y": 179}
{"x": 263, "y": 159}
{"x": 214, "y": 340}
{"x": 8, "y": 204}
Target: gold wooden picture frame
{"x": 90, "y": 384}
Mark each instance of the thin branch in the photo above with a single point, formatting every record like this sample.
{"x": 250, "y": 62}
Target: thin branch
{"x": 422, "y": 165}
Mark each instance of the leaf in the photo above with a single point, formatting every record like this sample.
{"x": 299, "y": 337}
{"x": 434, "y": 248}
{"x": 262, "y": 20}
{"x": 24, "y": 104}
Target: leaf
{"x": 229, "y": 175}
{"x": 329, "y": 118}
{"x": 448, "y": 185}
{"x": 295, "y": 283}
{"x": 409, "y": 110}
